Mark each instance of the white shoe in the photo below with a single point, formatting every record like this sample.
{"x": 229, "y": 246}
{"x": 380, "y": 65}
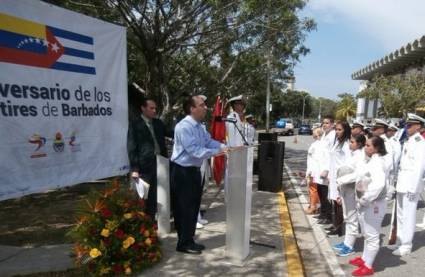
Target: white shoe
{"x": 199, "y": 225}
{"x": 399, "y": 252}
{"x": 203, "y": 221}
{"x": 421, "y": 225}
{"x": 393, "y": 246}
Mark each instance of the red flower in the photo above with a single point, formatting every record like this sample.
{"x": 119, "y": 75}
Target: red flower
{"x": 142, "y": 229}
{"x": 119, "y": 234}
{"x": 135, "y": 246}
{"x": 107, "y": 241}
{"x": 117, "y": 268}
{"x": 106, "y": 213}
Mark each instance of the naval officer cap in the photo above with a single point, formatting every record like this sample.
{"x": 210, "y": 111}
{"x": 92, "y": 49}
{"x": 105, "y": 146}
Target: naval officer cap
{"x": 357, "y": 124}
{"x": 233, "y": 100}
{"x": 393, "y": 127}
{"x": 203, "y": 97}
{"x": 380, "y": 123}
{"x": 413, "y": 118}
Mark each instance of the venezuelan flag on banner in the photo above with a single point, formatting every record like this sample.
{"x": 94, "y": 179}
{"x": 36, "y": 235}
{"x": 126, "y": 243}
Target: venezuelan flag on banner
{"x": 30, "y": 43}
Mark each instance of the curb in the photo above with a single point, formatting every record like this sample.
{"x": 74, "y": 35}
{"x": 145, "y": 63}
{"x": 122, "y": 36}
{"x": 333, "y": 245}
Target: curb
{"x": 322, "y": 242}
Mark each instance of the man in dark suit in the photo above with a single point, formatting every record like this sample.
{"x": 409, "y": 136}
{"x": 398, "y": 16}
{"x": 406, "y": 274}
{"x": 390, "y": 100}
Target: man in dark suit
{"x": 146, "y": 139}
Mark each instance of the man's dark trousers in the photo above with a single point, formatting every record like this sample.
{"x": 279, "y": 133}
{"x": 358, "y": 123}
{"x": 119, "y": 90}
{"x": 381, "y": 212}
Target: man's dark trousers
{"x": 187, "y": 191}
{"x": 149, "y": 175}
{"x": 325, "y": 204}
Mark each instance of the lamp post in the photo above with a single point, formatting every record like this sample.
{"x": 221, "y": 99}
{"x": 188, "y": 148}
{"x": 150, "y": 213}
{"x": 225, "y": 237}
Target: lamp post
{"x": 320, "y": 110}
{"x": 268, "y": 93}
{"x": 302, "y": 120}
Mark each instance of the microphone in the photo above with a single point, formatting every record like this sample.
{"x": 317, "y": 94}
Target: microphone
{"x": 232, "y": 120}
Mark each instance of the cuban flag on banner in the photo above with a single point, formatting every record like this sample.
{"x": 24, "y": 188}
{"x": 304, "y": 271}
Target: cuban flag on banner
{"x": 30, "y": 43}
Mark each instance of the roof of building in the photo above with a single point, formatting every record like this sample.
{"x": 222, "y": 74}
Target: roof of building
{"x": 406, "y": 55}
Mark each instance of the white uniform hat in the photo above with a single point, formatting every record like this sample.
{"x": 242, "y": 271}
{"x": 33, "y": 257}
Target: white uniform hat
{"x": 236, "y": 98}
{"x": 392, "y": 126}
{"x": 357, "y": 124}
{"x": 249, "y": 116}
{"x": 413, "y": 118}
{"x": 380, "y": 123}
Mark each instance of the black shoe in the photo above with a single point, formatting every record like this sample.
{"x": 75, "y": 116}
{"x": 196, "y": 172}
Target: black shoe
{"x": 198, "y": 246}
{"x": 334, "y": 233}
{"x": 191, "y": 249}
{"x": 324, "y": 221}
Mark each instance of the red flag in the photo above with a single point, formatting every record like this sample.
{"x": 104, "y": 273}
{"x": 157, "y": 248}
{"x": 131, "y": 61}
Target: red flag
{"x": 218, "y": 132}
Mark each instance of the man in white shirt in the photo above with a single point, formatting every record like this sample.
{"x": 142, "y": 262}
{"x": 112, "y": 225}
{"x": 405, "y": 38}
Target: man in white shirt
{"x": 409, "y": 184}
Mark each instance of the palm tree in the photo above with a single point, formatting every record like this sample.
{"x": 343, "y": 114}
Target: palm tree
{"x": 346, "y": 108}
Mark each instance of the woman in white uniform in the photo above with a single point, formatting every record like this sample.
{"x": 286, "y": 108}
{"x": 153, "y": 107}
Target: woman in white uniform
{"x": 346, "y": 185}
{"x": 339, "y": 156}
{"x": 371, "y": 204}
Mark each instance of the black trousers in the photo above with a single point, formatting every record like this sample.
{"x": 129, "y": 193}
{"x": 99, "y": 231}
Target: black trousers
{"x": 186, "y": 191}
{"x": 325, "y": 204}
{"x": 338, "y": 216}
{"x": 149, "y": 176}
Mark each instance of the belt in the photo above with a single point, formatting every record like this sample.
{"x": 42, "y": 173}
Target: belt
{"x": 188, "y": 167}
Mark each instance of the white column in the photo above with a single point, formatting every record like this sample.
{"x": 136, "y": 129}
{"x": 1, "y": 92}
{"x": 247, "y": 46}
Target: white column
{"x": 238, "y": 205}
{"x": 163, "y": 195}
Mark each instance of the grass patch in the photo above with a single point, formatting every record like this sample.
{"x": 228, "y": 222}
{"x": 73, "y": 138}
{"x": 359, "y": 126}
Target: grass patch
{"x": 42, "y": 218}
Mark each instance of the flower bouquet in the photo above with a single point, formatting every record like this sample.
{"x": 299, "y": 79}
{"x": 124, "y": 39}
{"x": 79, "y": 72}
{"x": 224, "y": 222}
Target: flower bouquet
{"x": 113, "y": 235}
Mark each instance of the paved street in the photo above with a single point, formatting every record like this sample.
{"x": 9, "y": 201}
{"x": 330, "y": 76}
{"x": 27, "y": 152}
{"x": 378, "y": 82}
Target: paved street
{"x": 386, "y": 264}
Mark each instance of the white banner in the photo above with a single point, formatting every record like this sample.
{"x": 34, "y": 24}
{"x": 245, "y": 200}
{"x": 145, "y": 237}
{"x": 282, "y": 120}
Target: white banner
{"x": 63, "y": 98}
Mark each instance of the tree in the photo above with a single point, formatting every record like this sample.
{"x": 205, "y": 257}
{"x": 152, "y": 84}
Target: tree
{"x": 323, "y": 106}
{"x": 204, "y": 46}
{"x": 398, "y": 94}
{"x": 346, "y": 107}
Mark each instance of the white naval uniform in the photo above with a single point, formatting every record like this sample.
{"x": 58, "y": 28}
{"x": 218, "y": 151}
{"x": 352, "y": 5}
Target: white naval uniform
{"x": 409, "y": 186}
{"x": 372, "y": 204}
{"x": 328, "y": 140}
{"x": 234, "y": 138}
{"x": 348, "y": 193}
{"x": 314, "y": 161}
{"x": 339, "y": 156}
{"x": 392, "y": 158}
{"x": 250, "y": 134}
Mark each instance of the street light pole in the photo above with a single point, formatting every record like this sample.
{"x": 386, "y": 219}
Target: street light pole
{"x": 302, "y": 121}
{"x": 268, "y": 93}
{"x": 320, "y": 110}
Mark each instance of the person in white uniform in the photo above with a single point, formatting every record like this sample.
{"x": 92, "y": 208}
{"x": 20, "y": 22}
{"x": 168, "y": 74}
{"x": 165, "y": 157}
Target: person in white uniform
{"x": 236, "y": 131}
{"x": 339, "y": 156}
{"x": 328, "y": 140}
{"x": 380, "y": 128}
{"x": 409, "y": 184}
{"x": 393, "y": 139}
{"x": 357, "y": 128}
{"x": 314, "y": 168}
{"x": 346, "y": 184}
{"x": 250, "y": 129}
{"x": 371, "y": 203}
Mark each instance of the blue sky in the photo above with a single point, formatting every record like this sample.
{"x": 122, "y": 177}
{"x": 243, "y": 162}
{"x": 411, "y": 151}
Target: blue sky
{"x": 350, "y": 35}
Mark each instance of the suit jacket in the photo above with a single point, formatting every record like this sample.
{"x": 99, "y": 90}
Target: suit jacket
{"x": 141, "y": 147}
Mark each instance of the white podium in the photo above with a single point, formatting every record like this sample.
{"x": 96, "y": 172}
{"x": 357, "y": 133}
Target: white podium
{"x": 238, "y": 205}
{"x": 163, "y": 195}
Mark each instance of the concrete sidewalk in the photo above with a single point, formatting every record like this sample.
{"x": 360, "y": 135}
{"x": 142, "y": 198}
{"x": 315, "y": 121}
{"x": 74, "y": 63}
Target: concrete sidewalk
{"x": 267, "y": 256}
